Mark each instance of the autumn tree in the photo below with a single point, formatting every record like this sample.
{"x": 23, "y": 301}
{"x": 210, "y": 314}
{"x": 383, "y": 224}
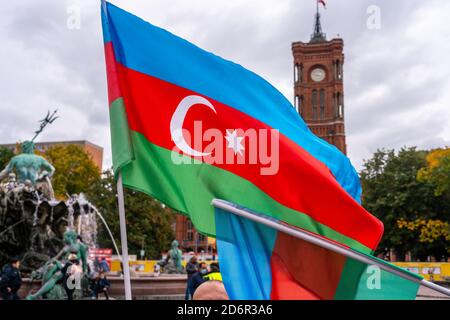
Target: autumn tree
{"x": 409, "y": 208}
{"x": 149, "y": 222}
{"x": 75, "y": 171}
{"x": 431, "y": 235}
{"x": 437, "y": 171}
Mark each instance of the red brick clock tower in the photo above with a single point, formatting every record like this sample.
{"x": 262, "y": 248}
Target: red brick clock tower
{"x": 318, "y": 85}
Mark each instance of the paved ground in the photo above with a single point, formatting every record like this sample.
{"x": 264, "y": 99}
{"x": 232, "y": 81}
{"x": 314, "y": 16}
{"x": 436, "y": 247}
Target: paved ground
{"x": 428, "y": 294}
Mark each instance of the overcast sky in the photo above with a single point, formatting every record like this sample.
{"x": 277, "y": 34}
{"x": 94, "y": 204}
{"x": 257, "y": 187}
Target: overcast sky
{"x": 397, "y": 77}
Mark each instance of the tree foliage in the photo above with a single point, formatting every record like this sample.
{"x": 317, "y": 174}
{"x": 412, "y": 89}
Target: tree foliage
{"x": 5, "y": 156}
{"x": 429, "y": 230}
{"x": 75, "y": 171}
{"x": 149, "y": 223}
{"x": 437, "y": 171}
{"x": 414, "y": 216}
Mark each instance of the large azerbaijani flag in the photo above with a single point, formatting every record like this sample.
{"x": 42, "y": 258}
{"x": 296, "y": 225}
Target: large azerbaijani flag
{"x": 161, "y": 87}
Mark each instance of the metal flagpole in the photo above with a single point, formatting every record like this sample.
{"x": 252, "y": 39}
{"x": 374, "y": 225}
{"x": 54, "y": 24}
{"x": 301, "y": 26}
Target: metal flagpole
{"x": 104, "y": 5}
{"x": 123, "y": 238}
{"x": 322, "y": 242}
{"x": 123, "y": 227}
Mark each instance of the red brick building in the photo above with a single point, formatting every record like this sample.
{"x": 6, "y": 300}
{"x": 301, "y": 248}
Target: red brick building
{"x": 189, "y": 239}
{"x": 318, "y": 85}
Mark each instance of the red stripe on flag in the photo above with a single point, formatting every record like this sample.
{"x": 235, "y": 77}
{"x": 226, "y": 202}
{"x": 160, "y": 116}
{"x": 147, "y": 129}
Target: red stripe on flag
{"x": 284, "y": 286}
{"x": 315, "y": 269}
{"x": 111, "y": 73}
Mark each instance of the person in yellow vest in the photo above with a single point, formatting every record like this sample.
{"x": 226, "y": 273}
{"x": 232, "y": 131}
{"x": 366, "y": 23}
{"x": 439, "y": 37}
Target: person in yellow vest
{"x": 214, "y": 273}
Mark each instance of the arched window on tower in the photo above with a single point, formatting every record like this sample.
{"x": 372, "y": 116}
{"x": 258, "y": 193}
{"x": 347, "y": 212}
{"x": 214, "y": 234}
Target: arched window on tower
{"x": 335, "y": 69}
{"x": 300, "y": 73}
{"x": 339, "y": 70}
{"x": 322, "y": 104}
{"x": 299, "y": 104}
{"x": 302, "y": 102}
{"x": 336, "y": 104}
{"x": 189, "y": 231}
{"x": 335, "y": 108}
{"x": 314, "y": 104}
{"x": 340, "y": 105}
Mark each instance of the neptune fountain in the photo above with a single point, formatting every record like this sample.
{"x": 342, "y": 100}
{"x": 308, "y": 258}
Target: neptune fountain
{"x": 37, "y": 228}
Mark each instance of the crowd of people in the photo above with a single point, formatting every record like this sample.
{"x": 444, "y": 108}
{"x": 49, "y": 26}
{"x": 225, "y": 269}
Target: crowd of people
{"x": 11, "y": 280}
{"x": 204, "y": 281}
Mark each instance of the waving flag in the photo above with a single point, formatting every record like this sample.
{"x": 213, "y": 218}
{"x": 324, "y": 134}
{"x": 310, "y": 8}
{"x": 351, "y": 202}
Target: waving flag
{"x": 262, "y": 263}
{"x": 254, "y": 149}
{"x": 323, "y": 3}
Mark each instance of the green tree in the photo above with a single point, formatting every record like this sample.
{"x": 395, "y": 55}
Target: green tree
{"x": 5, "y": 156}
{"x": 149, "y": 222}
{"x": 75, "y": 171}
{"x": 392, "y": 192}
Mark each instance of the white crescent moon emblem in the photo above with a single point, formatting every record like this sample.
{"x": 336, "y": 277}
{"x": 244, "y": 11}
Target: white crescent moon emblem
{"x": 176, "y": 124}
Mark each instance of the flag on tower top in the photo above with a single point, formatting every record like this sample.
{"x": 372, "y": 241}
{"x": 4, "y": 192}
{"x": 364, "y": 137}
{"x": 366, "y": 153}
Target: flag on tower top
{"x": 323, "y": 3}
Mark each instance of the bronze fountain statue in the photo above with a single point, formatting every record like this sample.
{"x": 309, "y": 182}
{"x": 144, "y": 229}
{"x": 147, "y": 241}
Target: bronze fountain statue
{"x": 172, "y": 263}
{"x": 53, "y": 273}
{"x": 30, "y": 168}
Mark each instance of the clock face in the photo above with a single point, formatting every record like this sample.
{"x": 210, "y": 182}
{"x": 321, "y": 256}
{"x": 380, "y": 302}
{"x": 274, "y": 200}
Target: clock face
{"x": 318, "y": 74}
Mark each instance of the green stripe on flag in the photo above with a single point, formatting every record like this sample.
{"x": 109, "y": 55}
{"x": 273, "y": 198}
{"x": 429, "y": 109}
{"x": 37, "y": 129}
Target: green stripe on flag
{"x": 360, "y": 281}
{"x": 122, "y": 150}
{"x": 190, "y": 188}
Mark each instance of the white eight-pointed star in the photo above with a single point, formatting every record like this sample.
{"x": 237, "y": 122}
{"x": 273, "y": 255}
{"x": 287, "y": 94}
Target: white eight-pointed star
{"x": 234, "y": 142}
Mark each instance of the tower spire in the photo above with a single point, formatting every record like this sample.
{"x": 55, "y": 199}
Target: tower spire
{"x": 318, "y": 35}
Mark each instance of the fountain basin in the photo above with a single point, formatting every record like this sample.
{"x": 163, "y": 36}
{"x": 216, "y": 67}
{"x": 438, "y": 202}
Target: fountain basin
{"x": 147, "y": 287}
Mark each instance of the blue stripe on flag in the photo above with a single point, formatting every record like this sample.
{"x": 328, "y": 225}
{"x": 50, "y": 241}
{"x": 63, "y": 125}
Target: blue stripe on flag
{"x": 245, "y": 249}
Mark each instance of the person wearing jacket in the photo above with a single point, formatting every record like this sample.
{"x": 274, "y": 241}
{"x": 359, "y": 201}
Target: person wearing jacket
{"x": 104, "y": 266}
{"x": 191, "y": 269}
{"x": 10, "y": 280}
{"x": 197, "y": 278}
{"x": 101, "y": 285}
